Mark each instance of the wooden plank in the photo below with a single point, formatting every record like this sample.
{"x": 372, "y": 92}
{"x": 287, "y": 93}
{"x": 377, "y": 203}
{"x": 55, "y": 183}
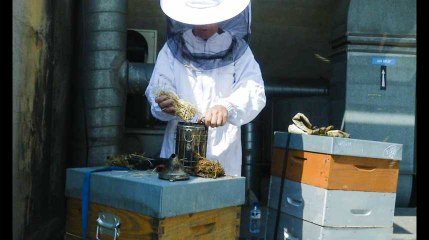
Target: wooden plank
{"x": 69, "y": 236}
{"x": 308, "y": 167}
{"x": 43, "y": 63}
{"x": 338, "y": 172}
{"x": 363, "y": 174}
{"x": 214, "y": 224}
{"x": 298, "y": 169}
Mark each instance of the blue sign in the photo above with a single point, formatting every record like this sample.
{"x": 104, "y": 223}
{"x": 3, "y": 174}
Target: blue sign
{"x": 383, "y": 61}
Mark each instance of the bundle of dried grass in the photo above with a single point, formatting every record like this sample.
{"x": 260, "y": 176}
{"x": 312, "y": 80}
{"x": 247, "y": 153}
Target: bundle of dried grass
{"x": 131, "y": 161}
{"x": 184, "y": 110}
{"x": 209, "y": 169}
{"x": 119, "y": 161}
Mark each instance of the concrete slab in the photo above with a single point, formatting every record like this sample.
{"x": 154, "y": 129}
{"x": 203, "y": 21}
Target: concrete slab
{"x": 405, "y": 224}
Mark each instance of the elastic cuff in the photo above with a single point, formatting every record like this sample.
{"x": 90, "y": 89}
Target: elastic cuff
{"x": 229, "y": 107}
{"x": 158, "y": 113}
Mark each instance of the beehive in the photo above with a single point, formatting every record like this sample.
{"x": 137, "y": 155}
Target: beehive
{"x": 331, "y": 187}
{"x": 151, "y": 208}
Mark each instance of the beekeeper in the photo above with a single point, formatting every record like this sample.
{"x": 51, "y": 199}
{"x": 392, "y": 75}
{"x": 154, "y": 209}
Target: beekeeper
{"x": 207, "y": 62}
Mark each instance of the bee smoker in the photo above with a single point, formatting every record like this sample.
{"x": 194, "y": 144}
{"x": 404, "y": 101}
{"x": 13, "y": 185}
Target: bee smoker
{"x": 191, "y": 144}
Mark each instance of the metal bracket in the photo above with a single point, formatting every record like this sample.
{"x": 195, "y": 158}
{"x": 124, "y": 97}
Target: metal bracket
{"x": 107, "y": 224}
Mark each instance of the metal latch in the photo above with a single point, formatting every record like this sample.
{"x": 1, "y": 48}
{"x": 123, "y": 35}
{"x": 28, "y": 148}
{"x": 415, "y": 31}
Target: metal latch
{"x": 107, "y": 224}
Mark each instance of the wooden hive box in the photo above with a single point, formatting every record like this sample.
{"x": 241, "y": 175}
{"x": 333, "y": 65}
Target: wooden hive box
{"x": 221, "y": 223}
{"x": 332, "y": 208}
{"x": 150, "y": 208}
{"x": 303, "y": 230}
{"x": 338, "y": 163}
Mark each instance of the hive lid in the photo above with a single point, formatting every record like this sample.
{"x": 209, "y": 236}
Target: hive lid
{"x": 143, "y": 192}
{"x": 339, "y": 146}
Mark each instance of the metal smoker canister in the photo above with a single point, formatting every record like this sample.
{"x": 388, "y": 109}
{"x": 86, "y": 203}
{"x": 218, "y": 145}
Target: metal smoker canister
{"x": 191, "y": 142}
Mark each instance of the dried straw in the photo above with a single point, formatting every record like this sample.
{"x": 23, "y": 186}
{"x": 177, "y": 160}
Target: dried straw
{"x": 209, "y": 169}
{"x": 184, "y": 110}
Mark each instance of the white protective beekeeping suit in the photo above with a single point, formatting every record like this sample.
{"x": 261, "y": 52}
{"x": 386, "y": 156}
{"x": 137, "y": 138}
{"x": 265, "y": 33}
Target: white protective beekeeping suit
{"x": 218, "y": 71}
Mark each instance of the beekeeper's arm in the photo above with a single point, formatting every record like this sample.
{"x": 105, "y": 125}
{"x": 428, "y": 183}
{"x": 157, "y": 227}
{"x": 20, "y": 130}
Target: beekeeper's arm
{"x": 162, "y": 79}
{"x": 248, "y": 94}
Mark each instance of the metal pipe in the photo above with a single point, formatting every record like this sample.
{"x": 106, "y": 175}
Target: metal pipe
{"x": 138, "y": 76}
{"x": 295, "y": 90}
{"x": 107, "y": 76}
{"x": 105, "y": 25}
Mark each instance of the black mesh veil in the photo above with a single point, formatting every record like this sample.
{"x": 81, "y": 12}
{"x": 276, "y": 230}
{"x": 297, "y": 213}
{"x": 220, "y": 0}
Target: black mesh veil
{"x": 237, "y": 29}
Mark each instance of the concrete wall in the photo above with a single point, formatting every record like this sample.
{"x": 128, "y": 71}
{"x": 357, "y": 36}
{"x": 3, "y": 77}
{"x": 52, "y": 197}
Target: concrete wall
{"x": 147, "y": 14}
{"x": 288, "y": 36}
{"x": 42, "y": 53}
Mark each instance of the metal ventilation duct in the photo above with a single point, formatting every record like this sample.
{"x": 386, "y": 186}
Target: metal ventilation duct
{"x": 107, "y": 76}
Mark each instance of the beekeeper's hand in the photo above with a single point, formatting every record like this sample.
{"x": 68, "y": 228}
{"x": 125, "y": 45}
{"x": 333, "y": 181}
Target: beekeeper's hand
{"x": 166, "y": 104}
{"x": 216, "y": 116}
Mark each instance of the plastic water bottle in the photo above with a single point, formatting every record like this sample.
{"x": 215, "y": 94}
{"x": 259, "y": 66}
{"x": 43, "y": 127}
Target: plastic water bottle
{"x": 288, "y": 236}
{"x": 285, "y": 234}
{"x": 255, "y": 219}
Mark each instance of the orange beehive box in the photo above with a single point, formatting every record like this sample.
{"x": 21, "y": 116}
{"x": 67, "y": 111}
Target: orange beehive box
{"x": 338, "y": 163}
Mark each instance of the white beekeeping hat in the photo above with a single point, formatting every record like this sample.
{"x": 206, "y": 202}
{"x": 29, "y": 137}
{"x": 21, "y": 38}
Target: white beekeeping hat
{"x": 201, "y": 12}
